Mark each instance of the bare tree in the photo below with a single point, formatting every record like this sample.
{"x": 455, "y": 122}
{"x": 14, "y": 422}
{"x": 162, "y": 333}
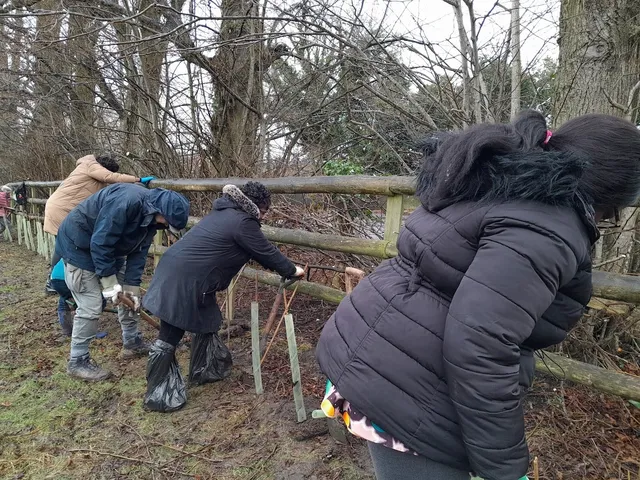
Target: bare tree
{"x": 516, "y": 63}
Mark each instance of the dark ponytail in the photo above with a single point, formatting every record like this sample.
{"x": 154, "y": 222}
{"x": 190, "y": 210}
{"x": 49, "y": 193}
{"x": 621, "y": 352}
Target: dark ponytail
{"x": 612, "y": 146}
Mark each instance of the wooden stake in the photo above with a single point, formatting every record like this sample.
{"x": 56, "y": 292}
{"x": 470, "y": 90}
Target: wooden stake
{"x": 18, "y": 219}
{"x": 255, "y": 347}
{"x": 157, "y": 242}
{"x": 295, "y": 369}
{"x": 231, "y": 298}
{"x": 536, "y": 469}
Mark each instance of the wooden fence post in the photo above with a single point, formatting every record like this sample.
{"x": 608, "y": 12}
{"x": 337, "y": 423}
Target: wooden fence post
{"x": 393, "y": 218}
{"x": 255, "y": 347}
{"x": 32, "y": 195}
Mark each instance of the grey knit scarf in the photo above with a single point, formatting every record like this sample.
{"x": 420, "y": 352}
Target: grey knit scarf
{"x": 242, "y": 200}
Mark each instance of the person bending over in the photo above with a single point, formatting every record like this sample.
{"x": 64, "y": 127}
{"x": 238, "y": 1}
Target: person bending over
{"x": 183, "y": 290}
{"x": 104, "y": 243}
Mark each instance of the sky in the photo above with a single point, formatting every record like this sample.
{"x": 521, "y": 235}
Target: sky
{"x": 435, "y": 20}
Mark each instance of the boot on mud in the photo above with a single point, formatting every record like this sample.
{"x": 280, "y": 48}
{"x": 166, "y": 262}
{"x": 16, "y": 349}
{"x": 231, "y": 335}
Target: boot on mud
{"x": 65, "y": 317}
{"x": 136, "y": 348}
{"x": 166, "y": 390}
{"x": 87, "y": 369}
{"x": 66, "y": 322}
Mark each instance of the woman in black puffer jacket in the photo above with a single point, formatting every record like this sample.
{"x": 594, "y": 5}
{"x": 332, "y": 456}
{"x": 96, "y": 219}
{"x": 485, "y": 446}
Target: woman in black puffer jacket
{"x": 432, "y": 353}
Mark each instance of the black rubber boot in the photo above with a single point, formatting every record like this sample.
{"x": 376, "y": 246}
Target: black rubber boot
{"x": 166, "y": 390}
{"x": 210, "y": 359}
{"x": 65, "y": 318}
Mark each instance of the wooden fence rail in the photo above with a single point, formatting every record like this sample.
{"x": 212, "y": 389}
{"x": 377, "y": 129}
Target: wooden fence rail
{"x": 625, "y": 288}
{"x": 346, "y": 184}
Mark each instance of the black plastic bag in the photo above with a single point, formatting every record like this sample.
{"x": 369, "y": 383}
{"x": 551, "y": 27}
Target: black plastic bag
{"x": 166, "y": 390}
{"x": 210, "y": 359}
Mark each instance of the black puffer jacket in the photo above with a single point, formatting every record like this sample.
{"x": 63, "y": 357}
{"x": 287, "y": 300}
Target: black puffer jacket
{"x": 436, "y": 345}
{"x": 183, "y": 289}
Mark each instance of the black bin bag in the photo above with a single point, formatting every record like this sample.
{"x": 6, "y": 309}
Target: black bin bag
{"x": 210, "y": 359}
{"x": 166, "y": 390}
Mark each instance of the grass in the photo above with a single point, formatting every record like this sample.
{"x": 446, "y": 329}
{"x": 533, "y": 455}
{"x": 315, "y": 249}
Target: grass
{"x": 54, "y": 426}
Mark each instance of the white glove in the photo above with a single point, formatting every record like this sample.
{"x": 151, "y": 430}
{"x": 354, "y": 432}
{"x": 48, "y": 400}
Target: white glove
{"x": 111, "y": 288}
{"x": 134, "y": 294}
{"x": 299, "y": 272}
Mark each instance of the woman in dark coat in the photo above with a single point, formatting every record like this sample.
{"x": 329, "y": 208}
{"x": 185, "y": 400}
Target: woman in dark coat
{"x": 183, "y": 289}
{"x": 430, "y": 356}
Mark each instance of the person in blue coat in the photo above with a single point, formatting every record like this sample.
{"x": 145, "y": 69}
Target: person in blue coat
{"x": 104, "y": 243}
{"x": 183, "y": 290}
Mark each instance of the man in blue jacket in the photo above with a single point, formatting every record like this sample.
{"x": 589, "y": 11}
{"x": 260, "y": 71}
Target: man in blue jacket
{"x": 104, "y": 243}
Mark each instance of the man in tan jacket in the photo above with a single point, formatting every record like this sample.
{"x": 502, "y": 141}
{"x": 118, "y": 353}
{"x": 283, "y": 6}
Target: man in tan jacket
{"x": 90, "y": 175}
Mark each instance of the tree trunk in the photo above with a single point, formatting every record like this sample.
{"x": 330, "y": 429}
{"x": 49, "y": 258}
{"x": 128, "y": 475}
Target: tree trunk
{"x": 599, "y": 61}
{"x": 516, "y": 64}
{"x": 130, "y": 121}
{"x": 238, "y": 90}
{"x": 152, "y": 52}
{"x": 598, "y": 72}
{"x": 81, "y": 45}
{"x": 464, "y": 66}
{"x": 48, "y": 116}
{"x": 8, "y": 110}
{"x": 481, "y": 93}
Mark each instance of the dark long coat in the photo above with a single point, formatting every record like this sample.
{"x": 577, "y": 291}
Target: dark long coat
{"x": 436, "y": 345}
{"x": 183, "y": 289}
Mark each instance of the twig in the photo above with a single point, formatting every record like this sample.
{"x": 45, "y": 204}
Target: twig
{"x": 143, "y": 441}
{"x": 611, "y": 260}
{"x": 109, "y": 454}
{"x": 189, "y": 454}
{"x": 130, "y": 459}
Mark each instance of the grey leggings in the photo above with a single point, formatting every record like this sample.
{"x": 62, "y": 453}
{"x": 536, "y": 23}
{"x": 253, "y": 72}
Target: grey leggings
{"x": 391, "y": 464}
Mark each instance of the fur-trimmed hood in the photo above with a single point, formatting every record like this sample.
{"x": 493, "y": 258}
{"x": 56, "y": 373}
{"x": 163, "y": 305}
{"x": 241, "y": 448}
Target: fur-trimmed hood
{"x": 233, "y": 197}
{"x": 545, "y": 177}
{"x": 552, "y": 178}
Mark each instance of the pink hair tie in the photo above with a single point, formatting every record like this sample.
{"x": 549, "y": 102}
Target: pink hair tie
{"x": 548, "y": 137}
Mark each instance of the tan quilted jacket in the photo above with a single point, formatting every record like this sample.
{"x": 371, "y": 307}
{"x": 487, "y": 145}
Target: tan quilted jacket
{"x": 87, "y": 178}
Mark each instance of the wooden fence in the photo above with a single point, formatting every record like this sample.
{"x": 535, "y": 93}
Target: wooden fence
{"x": 625, "y": 288}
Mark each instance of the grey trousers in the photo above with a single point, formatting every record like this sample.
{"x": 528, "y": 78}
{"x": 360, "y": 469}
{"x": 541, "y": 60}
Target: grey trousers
{"x": 391, "y": 464}
{"x": 87, "y": 292}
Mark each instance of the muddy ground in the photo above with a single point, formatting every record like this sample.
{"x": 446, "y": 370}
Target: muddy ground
{"x": 52, "y": 426}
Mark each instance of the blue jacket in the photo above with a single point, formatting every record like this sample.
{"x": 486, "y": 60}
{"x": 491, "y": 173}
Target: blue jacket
{"x": 116, "y": 224}
{"x": 57, "y": 273}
